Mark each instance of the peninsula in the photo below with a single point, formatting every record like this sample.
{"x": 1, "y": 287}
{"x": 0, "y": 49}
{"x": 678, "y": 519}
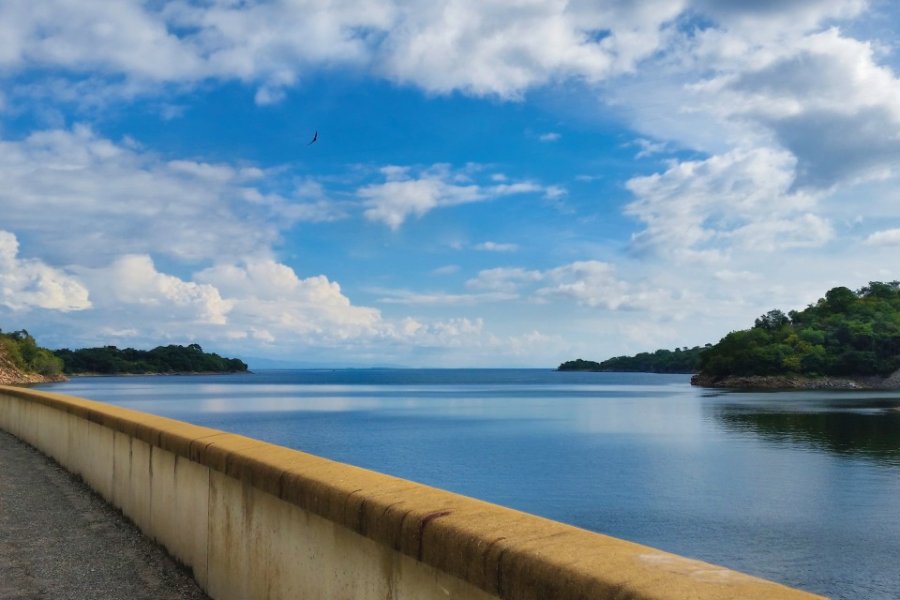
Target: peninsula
{"x": 23, "y": 361}
{"x": 163, "y": 360}
{"x": 846, "y": 340}
{"x": 679, "y": 360}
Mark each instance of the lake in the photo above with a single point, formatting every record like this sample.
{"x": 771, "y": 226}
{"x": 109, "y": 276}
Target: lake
{"x": 797, "y": 487}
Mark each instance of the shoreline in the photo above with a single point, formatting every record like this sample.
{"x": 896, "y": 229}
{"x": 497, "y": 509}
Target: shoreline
{"x": 798, "y": 382}
{"x": 20, "y": 378}
{"x": 172, "y": 374}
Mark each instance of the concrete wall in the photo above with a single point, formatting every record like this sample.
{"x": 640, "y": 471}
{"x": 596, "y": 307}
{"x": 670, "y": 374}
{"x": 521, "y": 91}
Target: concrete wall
{"x": 255, "y": 520}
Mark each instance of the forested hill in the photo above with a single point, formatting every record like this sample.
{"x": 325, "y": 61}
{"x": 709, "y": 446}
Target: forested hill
{"x": 844, "y": 334}
{"x": 110, "y": 360}
{"x": 679, "y": 360}
{"x": 23, "y": 361}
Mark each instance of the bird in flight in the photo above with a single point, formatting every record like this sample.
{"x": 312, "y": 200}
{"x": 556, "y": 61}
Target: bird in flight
{"x": 315, "y": 138}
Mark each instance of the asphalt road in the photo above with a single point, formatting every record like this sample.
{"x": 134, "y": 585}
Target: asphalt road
{"x": 60, "y": 540}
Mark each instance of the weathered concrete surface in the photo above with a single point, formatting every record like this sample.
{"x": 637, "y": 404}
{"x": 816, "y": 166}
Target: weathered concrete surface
{"x": 60, "y": 540}
{"x": 255, "y": 520}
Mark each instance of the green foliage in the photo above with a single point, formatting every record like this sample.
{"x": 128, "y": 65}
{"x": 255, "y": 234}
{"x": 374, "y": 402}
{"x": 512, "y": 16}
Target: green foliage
{"x": 109, "y": 360}
{"x": 679, "y": 360}
{"x": 845, "y": 333}
{"x": 579, "y": 365}
{"x": 22, "y": 350}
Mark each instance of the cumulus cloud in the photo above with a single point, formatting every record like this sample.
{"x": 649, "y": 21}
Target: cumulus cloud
{"x": 30, "y": 283}
{"x": 494, "y": 47}
{"x": 259, "y": 302}
{"x": 826, "y": 100}
{"x": 406, "y": 193}
{"x": 887, "y": 237}
{"x": 133, "y": 284}
{"x": 110, "y": 198}
{"x": 741, "y": 199}
{"x": 588, "y": 283}
{"x": 269, "y": 296}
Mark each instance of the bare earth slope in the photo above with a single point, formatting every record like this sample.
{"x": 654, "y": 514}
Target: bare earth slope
{"x": 12, "y": 375}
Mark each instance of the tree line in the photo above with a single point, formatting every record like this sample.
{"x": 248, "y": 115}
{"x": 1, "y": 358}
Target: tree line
{"x": 679, "y": 360}
{"x": 22, "y": 350}
{"x": 110, "y": 360}
{"x": 846, "y": 333}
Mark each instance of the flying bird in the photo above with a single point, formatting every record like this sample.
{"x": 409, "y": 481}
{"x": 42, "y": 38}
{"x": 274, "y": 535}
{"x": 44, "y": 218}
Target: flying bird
{"x": 315, "y": 137}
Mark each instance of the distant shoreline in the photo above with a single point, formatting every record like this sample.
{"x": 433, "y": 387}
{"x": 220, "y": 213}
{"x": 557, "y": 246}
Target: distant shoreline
{"x": 172, "y": 374}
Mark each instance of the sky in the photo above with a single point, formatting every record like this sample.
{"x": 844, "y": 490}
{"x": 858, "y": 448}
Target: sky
{"x": 494, "y": 183}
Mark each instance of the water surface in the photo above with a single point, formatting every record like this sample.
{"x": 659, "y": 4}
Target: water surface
{"x": 798, "y": 487}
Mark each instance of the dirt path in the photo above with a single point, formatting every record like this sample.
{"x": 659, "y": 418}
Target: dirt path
{"x": 59, "y": 540}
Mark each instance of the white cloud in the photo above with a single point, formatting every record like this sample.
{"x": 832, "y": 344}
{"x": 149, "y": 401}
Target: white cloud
{"x": 132, "y": 284}
{"x": 504, "y": 279}
{"x": 825, "y": 99}
{"x": 446, "y": 270}
{"x": 439, "y": 298}
{"x": 887, "y": 237}
{"x": 92, "y": 34}
{"x": 109, "y": 199}
{"x": 741, "y": 199}
{"x": 30, "y": 283}
{"x": 404, "y": 193}
{"x": 269, "y": 296}
{"x": 649, "y": 148}
{"x": 489, "y": 48}
{"x": 594, "y": 284}
{"x": 550, "y": 136}
{"x": 589, "y": 283}
{"x": 496, "y": 247}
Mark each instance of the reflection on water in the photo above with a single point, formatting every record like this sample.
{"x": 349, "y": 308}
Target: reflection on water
{"x": 861, "y": 426}
{"x": 797, "y": 487}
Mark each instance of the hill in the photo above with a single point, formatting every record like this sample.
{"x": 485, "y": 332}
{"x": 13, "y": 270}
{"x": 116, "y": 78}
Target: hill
{"x": 679, "y": 360}
{"x": 848, "y": 339}
{"x": 110, "y": 360}
{"x": 23, "y": 361}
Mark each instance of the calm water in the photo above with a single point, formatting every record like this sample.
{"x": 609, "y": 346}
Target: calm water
{"x": 798, "y": 487}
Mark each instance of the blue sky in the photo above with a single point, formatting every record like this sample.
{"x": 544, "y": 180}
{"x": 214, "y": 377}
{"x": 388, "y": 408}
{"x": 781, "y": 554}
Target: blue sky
{"x": 494, "y": 183}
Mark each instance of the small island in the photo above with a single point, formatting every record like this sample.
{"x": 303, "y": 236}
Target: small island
{"x": 846, "y": 340}
{"x": 162, "y": 360}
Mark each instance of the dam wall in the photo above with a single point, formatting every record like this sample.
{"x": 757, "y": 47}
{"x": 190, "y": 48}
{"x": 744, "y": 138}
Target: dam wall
{"x": 253, "y": 520}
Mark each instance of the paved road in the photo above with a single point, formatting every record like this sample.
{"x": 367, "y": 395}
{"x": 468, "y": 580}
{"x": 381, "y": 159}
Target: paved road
{"x": 59, "y": 540}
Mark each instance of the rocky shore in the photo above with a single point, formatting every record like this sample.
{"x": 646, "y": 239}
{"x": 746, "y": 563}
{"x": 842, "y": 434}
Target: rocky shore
{"x": 12, "y": 375}
{"x": 798, "y": 382}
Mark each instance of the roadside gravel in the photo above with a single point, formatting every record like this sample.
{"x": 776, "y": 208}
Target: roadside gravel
{"x": 60, "y": 540}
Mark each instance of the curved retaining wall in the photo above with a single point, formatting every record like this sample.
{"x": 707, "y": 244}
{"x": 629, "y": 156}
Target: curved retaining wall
{"x": 255, "y": 520}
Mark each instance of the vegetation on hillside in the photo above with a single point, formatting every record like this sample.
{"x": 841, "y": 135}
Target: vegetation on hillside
{"x": 20, "y": 349}
{"x": 679, "y": 360}
{"x": 110, "y": 360}
{"x": 846, "y": 333}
